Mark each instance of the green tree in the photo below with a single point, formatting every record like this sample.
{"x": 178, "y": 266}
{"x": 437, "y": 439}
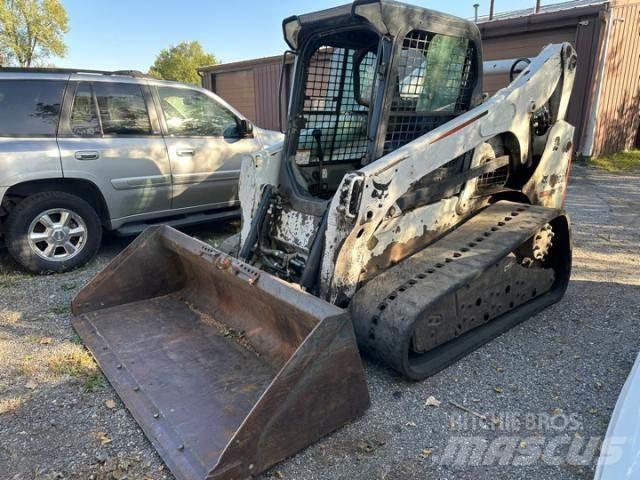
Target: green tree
{"x": 181, "y": 62}
{"x": 32, "y": 31}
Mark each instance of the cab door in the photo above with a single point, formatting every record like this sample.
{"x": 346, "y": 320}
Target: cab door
{"x": 111, "y": 136}
{"x": 205, "y": 147}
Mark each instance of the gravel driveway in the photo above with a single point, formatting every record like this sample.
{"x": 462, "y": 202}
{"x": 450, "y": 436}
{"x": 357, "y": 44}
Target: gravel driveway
{"x": 532, "y": 404}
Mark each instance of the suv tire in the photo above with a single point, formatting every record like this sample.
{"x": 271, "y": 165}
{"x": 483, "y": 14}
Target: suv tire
{"x": 53, "y": 232}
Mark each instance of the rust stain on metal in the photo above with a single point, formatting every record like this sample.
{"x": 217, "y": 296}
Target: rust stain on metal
{"x": 456, "y": 129}
{"x": 239, "y": 337}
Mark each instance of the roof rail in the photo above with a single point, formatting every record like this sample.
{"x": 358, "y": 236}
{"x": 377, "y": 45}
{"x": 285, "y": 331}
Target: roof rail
{"x": 126, "y": 73}
{"x": 131, "y": 73}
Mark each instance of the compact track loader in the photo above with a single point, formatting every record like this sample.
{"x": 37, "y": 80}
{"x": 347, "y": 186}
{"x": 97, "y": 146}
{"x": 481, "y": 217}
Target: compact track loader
{"x": 405, "y": 213}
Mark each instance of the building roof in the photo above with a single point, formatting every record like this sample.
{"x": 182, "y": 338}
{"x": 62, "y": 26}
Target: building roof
{"x": 243, "y": 64}
{"x": 556, "y": 7}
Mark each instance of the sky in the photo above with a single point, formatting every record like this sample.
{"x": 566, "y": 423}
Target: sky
{"x": 128, "y": 34}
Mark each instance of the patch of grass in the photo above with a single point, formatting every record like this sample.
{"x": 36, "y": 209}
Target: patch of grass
{"x": 67, "y": 287}
{"x": 61, "y": 309}
{"x": 74, "y": 361}
{"x": 6, "y": 280}
{"x": 94, "y": 383}
{"x": 11, "y": 317}
{"x": 29, "y": 366}
{"x": 618, "y": 162}
{"x": 8, "y": 405}
{"x": 76, "y": 339}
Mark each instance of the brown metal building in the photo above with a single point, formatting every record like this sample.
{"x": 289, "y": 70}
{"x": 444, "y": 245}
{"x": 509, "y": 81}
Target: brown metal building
{"x": 605, "y": 106}
{"x": 251, "y": 86}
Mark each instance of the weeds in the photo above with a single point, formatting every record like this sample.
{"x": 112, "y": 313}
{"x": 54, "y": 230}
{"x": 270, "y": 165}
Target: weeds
{"x": 6, "y": 280}
{"x": 94, "y": 383}
{"x": 11, "y": 317}
{"x": 74, "y": 361}
{"x": 78, "y": 362}
{"x": 61, "y": 309}
{"x": 67, "y": 287}
{"x": 29, "y": 366}
{"x": 618, "y": 162}
{"x": 76, "y": 339}
{"x": 8, "y": 405}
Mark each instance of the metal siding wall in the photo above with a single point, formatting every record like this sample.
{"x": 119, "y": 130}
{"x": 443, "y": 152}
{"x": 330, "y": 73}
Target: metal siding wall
{"x": 286, "y": 93}
{"x": 531, "y": 39}
{"x": 237, "y": 88}
{"x": 619, "y": 109}
{"x": 266, "y": 80}
{"x": 206, "y": 81}
{"x": 252, "y": 87}
{"x": 527, "y": 44}
{"x": 587, "y": 45}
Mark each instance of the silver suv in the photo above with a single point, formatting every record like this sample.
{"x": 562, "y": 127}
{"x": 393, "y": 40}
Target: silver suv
{"x": 83, "y": 151}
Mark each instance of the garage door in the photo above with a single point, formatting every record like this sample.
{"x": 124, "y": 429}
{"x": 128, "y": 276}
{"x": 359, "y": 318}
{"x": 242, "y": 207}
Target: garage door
{"x": 237, "y": 89}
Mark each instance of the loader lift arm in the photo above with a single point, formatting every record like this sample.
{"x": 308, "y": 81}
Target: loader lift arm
{"x": 548, "y": 78}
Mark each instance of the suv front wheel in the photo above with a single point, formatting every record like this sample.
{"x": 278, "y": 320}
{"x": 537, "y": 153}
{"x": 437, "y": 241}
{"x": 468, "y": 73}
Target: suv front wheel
{"x": 53, "y": 232}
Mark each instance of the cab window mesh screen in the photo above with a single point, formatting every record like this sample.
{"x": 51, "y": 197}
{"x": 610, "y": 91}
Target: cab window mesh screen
{"x": 492, "y": 180}
{"x": 334, "y": 124}
{"x": 434, "y": 83}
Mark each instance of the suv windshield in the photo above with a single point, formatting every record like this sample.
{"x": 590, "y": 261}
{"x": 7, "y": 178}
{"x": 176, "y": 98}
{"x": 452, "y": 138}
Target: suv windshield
{"x": 30, "y": 108}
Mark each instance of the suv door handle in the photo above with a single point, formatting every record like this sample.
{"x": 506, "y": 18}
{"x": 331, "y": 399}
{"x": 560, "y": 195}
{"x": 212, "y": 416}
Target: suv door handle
{"x": 87, "y": 155}
{"x": 185, "y": 152}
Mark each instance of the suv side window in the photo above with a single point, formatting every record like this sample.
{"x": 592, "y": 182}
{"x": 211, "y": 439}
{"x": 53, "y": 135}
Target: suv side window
{"x": 189, "y": 113}
{"x": 30, "y": 108}
{"x": 121, "y": 110}
{"x": 84, "y": 115}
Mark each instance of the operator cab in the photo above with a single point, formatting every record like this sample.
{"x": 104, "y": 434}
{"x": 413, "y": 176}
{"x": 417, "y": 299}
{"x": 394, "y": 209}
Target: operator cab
{"x": 371, "y": 77}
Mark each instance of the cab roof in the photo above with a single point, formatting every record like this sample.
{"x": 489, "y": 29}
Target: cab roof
{"x": 386, "y": 17}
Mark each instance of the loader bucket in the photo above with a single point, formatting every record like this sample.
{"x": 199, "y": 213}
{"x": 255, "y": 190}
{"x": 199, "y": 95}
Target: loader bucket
{"x": 227, "y": 369}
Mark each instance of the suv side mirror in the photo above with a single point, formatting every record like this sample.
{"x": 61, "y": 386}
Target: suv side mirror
{"x": 246, "y": 128}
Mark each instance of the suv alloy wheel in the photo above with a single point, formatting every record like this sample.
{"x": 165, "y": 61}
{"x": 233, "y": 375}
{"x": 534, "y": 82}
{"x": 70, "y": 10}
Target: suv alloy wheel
{"x": 53, "y": 232}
